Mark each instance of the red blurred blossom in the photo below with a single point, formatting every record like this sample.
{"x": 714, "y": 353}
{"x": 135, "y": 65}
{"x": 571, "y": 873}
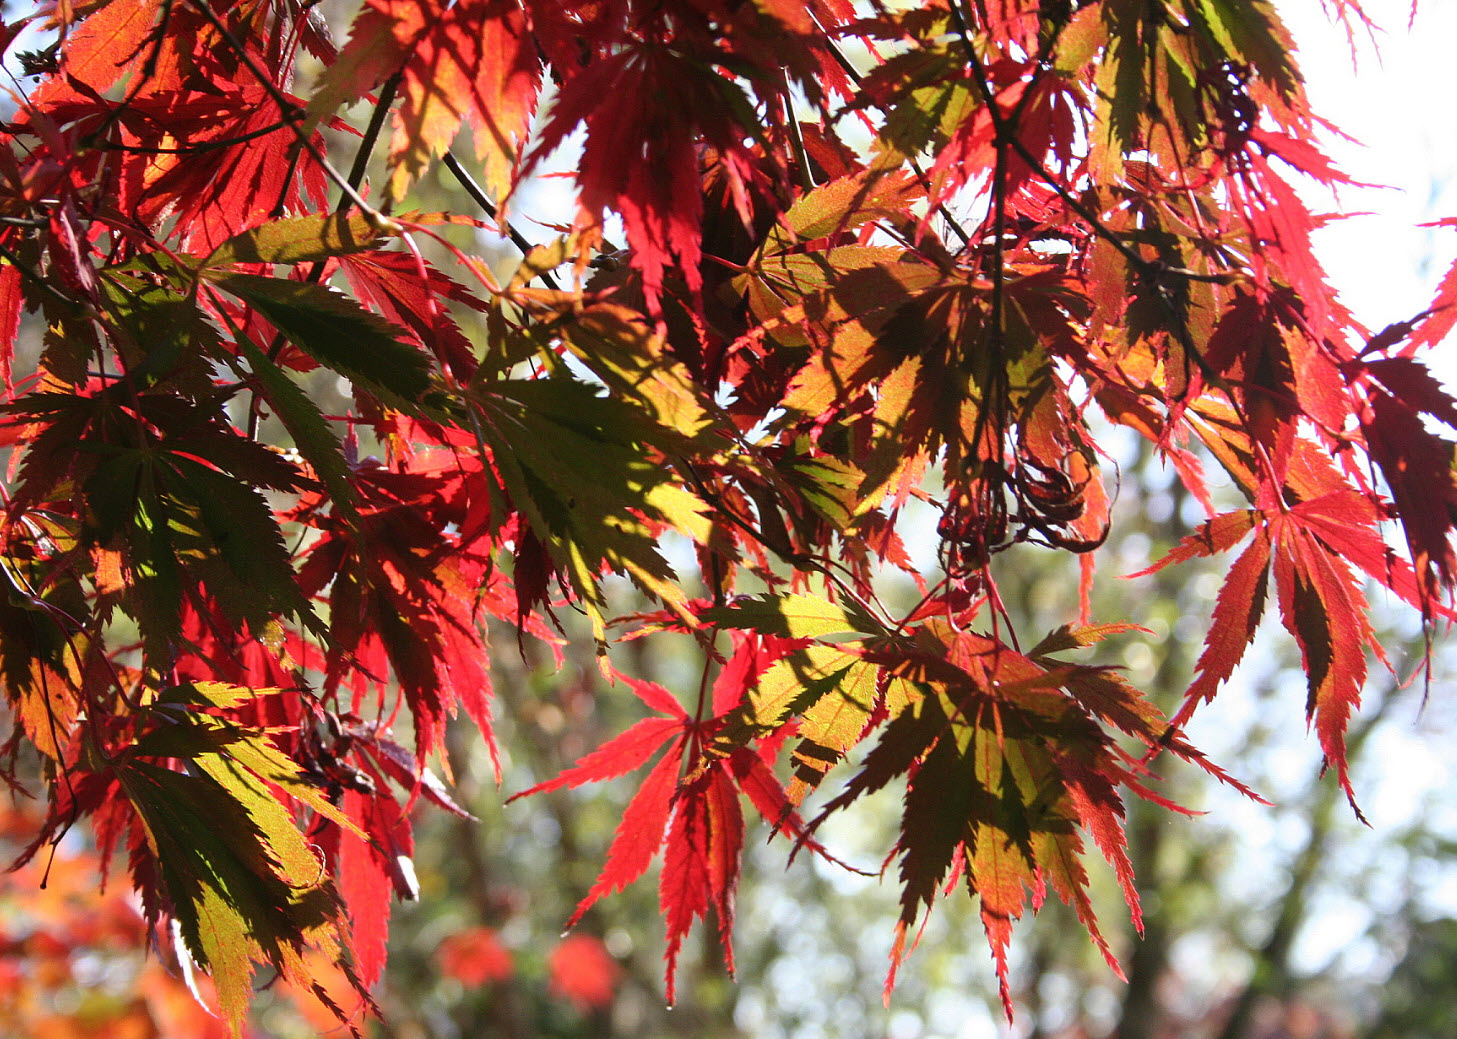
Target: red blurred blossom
{"x": 583, "y": 971}
{"x": 475, "y": 956}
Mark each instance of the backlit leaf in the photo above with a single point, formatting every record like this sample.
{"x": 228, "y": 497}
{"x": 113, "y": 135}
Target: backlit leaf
{"x": 791, "y": 616}
{"x": 337, "y": 333}
{"x": 298, "y": 240}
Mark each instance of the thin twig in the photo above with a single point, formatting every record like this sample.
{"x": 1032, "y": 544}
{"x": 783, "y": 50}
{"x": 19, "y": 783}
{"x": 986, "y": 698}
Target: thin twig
{"x": 188, "y": 149}
{"x": 796, "y": 136}
{"x": 806, "y": 563}
{"x": 371, "y": 137}
{"x": 1151, "y": 269}
{"x": 28, "y": 273}
{"x": 479, "y": 196}
{"x": 346, "y": 200}
{"x": 291, "y": 113}
{"x": 853, "y": 73}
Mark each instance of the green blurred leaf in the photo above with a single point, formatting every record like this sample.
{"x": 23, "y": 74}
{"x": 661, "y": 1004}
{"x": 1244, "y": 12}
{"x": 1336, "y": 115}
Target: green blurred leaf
{"x": 338, "y": 333}
{"x": 236, "y": 527}
{"x": 842, "y": 205}
{"x": 793, "y": 616}
{"x": 163, "y": 334}
{"x": 935, "y": 99}
{"x": 298, "y": 240}
{"x": 312, "y": 435}
{"x": 581, "y": 469}
{"x": 218, "y": 862}
{"x": 620, "y": 347}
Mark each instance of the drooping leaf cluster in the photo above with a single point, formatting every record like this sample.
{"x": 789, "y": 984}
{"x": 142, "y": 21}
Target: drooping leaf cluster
{"x": 873, "y": 257}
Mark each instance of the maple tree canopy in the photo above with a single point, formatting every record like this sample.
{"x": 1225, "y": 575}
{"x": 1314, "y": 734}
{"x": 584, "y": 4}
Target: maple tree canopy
{"x": 869, "y": 256}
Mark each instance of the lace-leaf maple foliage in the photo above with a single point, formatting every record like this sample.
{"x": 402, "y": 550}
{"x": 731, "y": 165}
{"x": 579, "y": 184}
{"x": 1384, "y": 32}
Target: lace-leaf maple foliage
{"x": 871, "y": 255}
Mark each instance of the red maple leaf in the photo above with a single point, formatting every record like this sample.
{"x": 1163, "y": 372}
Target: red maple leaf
{"x": 641, "y": 155}
{"x": 688, "y": 805}
{"x": 404, "y": 596}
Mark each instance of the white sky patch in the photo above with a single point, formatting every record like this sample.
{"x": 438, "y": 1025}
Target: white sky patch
{"x": 1389, "y": 100}
{"x": 1385, "y": 265}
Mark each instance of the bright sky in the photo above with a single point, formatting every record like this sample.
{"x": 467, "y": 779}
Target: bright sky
{"x": 1385, "y": 265}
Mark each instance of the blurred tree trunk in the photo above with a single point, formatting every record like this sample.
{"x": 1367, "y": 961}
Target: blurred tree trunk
{"x": 1141, "y": 1014}
{"x": 1270, "y": 974}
